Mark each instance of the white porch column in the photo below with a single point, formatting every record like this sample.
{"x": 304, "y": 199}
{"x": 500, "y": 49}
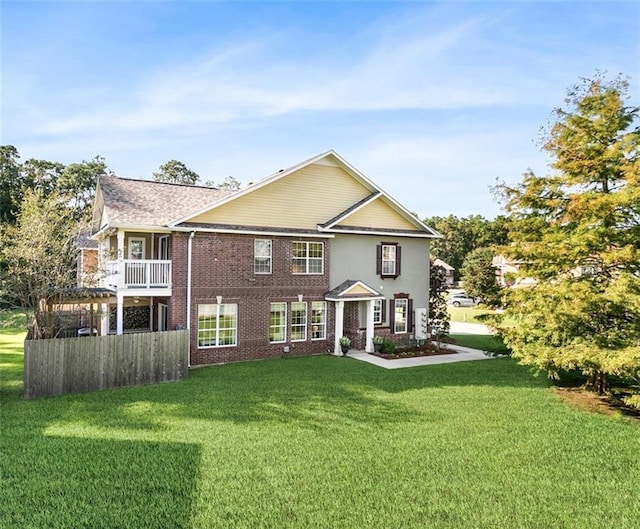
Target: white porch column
{"x": 120, "y": 313}
{"x": 120, "y": 278}
{"x": 337, "y": 350}
{"x": 104, "y": 319}
{"x": 369, "y": 338}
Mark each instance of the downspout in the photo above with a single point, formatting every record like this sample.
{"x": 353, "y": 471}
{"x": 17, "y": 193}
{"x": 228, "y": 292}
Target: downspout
{"x": 189, "y": 248}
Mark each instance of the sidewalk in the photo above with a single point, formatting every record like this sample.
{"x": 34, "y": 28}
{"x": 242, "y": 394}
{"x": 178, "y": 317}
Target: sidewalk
{"x": 457, "y": 354}
{"x": 458, "y": 327}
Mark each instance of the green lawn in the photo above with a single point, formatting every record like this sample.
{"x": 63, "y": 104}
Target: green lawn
{"x": 318, "y": 442}
{"x": 467, "y": 314}
{"x": 483, "y": 342}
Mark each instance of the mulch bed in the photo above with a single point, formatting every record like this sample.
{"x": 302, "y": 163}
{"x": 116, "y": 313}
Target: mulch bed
{"x": 578, "y": 397}
{"x": 413, "y": 352}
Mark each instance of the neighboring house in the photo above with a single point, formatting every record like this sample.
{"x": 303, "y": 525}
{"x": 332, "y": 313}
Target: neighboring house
{"x": 287, "y": 265}
{"x": 507, "y": 272}
{"x": 448, "y": 271}
{"x": 87, "y": 275}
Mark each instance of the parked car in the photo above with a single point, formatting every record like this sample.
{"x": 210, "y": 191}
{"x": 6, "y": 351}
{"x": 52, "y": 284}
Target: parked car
{"x": 461, "y": 300}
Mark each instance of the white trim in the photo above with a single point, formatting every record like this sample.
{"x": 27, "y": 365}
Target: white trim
{"x": 163, "y": 239}
{"x": 347, "y": 215}
{"x": 163, "y": 313}
{"x": 306, "y": 321}
{"x": 189, "y": 251}
{"x": 421, "y": 235}
{"x": 261, "y": 233}
{"x": 308, "y": 259}
{"x": 285, "y": 320}
{"x": 144, "y": 248}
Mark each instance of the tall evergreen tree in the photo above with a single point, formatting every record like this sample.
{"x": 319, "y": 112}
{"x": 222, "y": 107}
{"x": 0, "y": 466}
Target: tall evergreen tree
{"x": 439, "y": 319}
{"x": 577, "y": 232}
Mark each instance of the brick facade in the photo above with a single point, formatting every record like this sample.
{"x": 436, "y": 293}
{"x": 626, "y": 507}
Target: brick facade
{"x": 223, "y": 265}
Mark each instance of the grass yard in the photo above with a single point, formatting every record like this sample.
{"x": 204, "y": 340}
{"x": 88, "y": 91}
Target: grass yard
{"x": 467, "y": 314}
{"x": 318, "y": 442}
{"x": 483, "y": 342}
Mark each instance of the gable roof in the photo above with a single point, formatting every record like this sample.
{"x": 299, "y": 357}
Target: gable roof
{"x": 446, "y": 266}
{"x": 144, "y": 203}
{"x": 334, "y": 191}
{"x": 352, "y": 290}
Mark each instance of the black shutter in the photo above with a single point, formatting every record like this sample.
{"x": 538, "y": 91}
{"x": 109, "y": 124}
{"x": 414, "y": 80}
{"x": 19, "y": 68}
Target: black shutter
{"x": 383, "y": 311}
{"x": 392, "y": 316}
{"x": 379, "y": 259}
{"x": 410, "y": 316}
{"x": 398, "y": 253}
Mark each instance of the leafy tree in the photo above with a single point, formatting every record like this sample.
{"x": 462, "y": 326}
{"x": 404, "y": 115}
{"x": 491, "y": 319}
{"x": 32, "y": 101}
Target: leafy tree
{"x": 38, "y": 257}
{"x": 462, "y": 235}
{"x": 75, "y": 183}
{"x": 228, "y": 183}
{"x": 176, "y": 172}
{"x": 577, "y": 232}
{"x": 439, "y": 318}
{"x": 10, "y": 183}
{"x": 480, "y": 276}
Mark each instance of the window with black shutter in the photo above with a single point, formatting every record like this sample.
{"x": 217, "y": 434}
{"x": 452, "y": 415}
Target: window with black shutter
{"x": 388, "y": 259}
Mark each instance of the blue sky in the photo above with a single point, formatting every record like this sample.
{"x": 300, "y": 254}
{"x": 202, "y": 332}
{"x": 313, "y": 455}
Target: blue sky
{"x": 431, "y": 100}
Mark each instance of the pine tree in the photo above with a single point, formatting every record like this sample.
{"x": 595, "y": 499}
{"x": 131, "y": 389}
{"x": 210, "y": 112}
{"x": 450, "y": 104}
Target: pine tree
{"x": 576, "y": 231}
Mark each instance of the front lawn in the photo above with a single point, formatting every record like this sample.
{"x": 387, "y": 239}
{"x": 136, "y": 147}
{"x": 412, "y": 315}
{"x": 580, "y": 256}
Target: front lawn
{"x": 483, "y": 342}
{"x": 318, "y": 442}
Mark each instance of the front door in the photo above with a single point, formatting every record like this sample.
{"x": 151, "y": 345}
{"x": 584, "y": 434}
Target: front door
{"x": 135, "y": 272}
{"x": 163, "y": 317}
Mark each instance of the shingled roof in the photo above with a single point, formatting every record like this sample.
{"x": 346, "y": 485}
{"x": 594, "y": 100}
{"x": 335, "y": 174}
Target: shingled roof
{"x": 148, "y": 203}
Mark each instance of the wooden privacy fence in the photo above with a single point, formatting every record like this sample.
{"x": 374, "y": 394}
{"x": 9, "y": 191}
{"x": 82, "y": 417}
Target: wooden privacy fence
{"x": 74, "y": 365}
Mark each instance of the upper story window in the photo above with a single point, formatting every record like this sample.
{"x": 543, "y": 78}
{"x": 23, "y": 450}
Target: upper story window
{"x": 262, "y": 249}
{"x": 388, "y": 259}
{"x": 308, "y": 258}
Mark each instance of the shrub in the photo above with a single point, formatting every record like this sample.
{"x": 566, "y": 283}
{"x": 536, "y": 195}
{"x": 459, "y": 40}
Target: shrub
{"x": 388, "y": 347}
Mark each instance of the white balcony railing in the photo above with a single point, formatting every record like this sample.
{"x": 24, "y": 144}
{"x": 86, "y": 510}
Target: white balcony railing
{"x": 138, "y": 273}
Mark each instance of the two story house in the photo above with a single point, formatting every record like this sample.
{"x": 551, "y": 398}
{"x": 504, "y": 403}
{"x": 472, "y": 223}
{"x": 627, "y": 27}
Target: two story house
{"x": 286, "y": 265}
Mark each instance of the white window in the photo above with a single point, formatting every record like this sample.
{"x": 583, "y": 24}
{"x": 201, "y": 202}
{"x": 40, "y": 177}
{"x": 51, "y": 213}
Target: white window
{"x": 388, "y": 259}
{"x": 163, "y": 317}
{"x": 217, "y": 325}
{"x": 400, "y": 319}
{"x": 262, "y": 256}
{"x": 318, "y": 320}
{"x": 163, "y": 248}
{"x": 308, "y": 258}
{"x": 278, "y": 323}
{"x": 298, "y": 321}
{"x": 136, "y": 247}
{"x": 377, "y": 311}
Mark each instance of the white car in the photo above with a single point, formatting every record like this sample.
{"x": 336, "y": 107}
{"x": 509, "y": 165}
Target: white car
{"x": 460, "y": 300}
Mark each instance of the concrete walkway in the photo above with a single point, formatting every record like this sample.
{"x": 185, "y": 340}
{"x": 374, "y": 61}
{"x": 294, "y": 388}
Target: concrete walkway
{"x": 457, "y": 354}
{"x": 458, "y": 327}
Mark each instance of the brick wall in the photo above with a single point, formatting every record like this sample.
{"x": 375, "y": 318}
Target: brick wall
{"x": 222, "y": 265}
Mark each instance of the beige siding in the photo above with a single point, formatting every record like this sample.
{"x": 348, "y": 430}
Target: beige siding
{"x": 357, "y": 289}
{"x": 378, "y": 214}
{"x": 303, "y": 199}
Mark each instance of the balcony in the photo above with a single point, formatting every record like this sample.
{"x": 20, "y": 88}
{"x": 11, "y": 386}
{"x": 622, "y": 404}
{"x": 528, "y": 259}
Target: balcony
{"x": 138, "y": 274}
